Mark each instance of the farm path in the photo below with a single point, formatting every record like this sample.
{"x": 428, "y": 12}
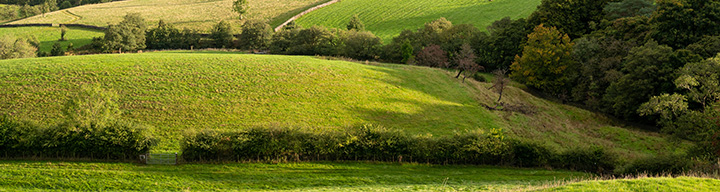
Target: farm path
{"x": 73, "y": 15}
{"x": 305, "y": 12}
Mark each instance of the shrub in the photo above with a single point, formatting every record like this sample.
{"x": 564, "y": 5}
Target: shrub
{"x": 11, "y": 48}
{"x": 660, "y": 164}
{"x": 360, "y": 45}
{"x": 432, "y": 56}
{"x": 119, "y": 140}
{"x": 256, "y": 35}
{"x": 128, "y": 35}
{"x": 593, "y": 159}
{"x": 221, "y": 35}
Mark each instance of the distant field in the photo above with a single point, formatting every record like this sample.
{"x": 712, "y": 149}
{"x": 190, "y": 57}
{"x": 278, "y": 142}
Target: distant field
{"x": 181, "y": 91}
{"x": 43, "y": 176}
{"x": 387, "y": 18}
{"x": 49, "y": 35}
{"x": 193, "y": 14}
{"x": 644, "y": 184}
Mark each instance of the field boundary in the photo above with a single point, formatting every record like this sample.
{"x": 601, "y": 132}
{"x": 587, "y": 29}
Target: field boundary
{"x": 305, "y": 12}
{"x": 53, "y": 25}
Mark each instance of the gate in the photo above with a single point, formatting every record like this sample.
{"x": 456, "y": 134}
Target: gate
{"x": 160, "y": 158}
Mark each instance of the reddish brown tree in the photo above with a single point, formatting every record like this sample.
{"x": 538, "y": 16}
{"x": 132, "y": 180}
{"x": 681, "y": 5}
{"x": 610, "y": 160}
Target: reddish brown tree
{"x": 465, "y": 62}
{"x": 432, "y": 56}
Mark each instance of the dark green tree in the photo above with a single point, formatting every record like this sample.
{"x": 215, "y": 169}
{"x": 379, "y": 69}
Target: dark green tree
{"x": 256, "y": 35}
{"x": 128, "y": 35}
{"x": 506, "y": 40}
{"x": 221, "y": 35}
{"x": 57, "y": 50}
{"x": 165, "y": 36}
{"x": 407, "y": 51}
{"x": 573, "y": 17}
{"x": 629, "y": 8}
{"x": 360, "y": 45}
{"x": 679, "y": 23}
{"x": 355, "y": 24}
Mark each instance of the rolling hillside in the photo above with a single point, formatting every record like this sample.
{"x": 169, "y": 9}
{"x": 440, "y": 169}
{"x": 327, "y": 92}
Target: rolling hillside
{"x": 387, "y": 18}
{"x": 193, "y": 14}
{"x": 179, "y": 91}
{"x": 49, "y": 35}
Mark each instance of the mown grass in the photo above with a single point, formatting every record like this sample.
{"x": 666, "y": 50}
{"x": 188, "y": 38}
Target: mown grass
{"x": 189, "y": 91}
{"x": 49, "y": 35}
{"x": 193, "y": 14}
{"x": 387, "y": 18}
{"x": 643, "y": 184}
{"x": 74, "y": 176}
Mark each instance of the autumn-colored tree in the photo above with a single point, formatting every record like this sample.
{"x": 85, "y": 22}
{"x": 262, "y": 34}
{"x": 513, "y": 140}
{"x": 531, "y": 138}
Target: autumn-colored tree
{"x": 545, "y": 60}
{"x": 432, "y": 56}
{"x": 465, "y": 62}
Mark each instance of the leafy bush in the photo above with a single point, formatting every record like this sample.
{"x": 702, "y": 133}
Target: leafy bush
{"x": 660, "y": 164}
{"x": 119, "y": 140}
{"x": 594, "y": 159}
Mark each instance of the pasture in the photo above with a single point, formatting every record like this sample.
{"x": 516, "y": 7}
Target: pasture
{"x": 387, "y": 18}
{"x": 77, "y": 176}
{"x": 49, "y": 35}
{"x": 184, "y": 91}
{"x": 682, "y": 183}
{"x": 193, "y": 14}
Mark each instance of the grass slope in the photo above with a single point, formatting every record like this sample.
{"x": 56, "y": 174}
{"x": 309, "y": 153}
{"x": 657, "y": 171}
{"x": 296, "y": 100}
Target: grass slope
{"x": 49, "y": 35}
{"x": 387, "y": 18}
{"x": 181, "y": 91}
{"x": 644, "y": 184}
{"x": 191, "y": 91}
{"x": 43, "y": 176}
{"x": 193, "y": 14}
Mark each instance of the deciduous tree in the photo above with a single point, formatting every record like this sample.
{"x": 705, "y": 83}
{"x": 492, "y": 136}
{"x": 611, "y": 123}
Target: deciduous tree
{"x": 545, "y": 60}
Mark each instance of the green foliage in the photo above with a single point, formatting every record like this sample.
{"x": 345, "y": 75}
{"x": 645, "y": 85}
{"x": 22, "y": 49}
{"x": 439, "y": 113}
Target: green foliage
{"x": 708, "y": 46}
{"x": 315, "y": 40}
{"x": 12, "y": 48}
{"x": 408, "y": 52}
{"x": 115, "y": 141}
{"x": 629, "y": 8}
{"x": 594, "y": 159}
{"x": 660, "y": 164}
{"x": 128, "y": 35}
{"x": 165, "y": 36}
{"x": 572, "y": 17}
{"x": 65, "y": 4}
{"x": 92, "y": 106}
{"x": 648, "y": 71}
{"x": 222, "y": 35}
{"x": 355, "y": 24}
{"x": 63, "y": 31}
{"x": 241, "y": 7}
{"x": 57, "y": 50}
{"x": 360, "y": 45}
{"x": 506, "y": 40}
{"x": 679, "y": 23}
{"x": 546, "y": 60}
{"x": 600, "y": 60}
{"x": 256, "y": 35}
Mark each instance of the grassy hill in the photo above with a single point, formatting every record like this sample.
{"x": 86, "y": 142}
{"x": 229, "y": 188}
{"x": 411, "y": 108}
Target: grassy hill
{"x": 73, "y": 176}
{"x": 193, "y": 14}
{"x": 644, "y": 184}
{"x": 387, "y": 18}
{"x": 179, "y": 91}
{"x": 49, "y": 35}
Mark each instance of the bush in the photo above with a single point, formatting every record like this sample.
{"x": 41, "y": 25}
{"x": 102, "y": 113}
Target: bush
{"x": 117, "y": 141}
{"x": 660, "y": 164}
{"x": 221, "y": 35}
{"x": 256, "y": 35}
{"x": 593, "y": 159}
{"x": 360, "y": 45}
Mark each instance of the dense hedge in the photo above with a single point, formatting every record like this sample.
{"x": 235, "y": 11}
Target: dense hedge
{"x": 380, "y": 144}
{"x": 116, "y": 141}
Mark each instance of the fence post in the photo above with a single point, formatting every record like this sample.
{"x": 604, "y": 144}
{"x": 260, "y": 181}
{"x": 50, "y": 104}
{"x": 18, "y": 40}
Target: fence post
{"x": 176, "y": 158}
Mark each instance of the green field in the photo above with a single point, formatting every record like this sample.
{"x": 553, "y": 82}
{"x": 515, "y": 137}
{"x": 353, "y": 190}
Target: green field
{"x": 49, "y": 35}
{"x": 194, "y": 14}
{"x": 644, "y": 184}
{"x": 181, "y": 91}
{"x": 43, "y": 176}
{"x": 387, "y": 18}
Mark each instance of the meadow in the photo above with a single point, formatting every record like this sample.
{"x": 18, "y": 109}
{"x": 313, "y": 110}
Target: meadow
{"x": 387, "y": 18}
{"x": 682, "y": 183}
{"x": 79, "y": 176}
{"x": 183, "y": 91}
{"x": 193, "y": 14}
{"x": 49, "y": 35}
